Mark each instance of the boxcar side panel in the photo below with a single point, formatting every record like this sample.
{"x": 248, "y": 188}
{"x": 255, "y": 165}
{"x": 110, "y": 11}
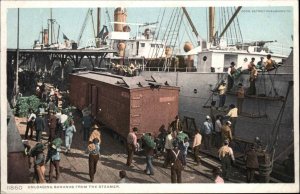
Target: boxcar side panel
{"x": 113, "y": 108}
{"x": 157, "y": 108}
{"x": 78, "y": 91}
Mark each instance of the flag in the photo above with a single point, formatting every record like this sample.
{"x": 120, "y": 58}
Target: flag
{"x": 65, "y": 37}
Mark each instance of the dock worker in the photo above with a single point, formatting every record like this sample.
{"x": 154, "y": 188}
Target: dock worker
{"x": 52, "y": 122}
{"x": 176, "y": 159}
{"x": 70, "y": 130}
{"x": 270, "y": 64}
{"x": 37, "y": 152}
{"x": 131, "y": 145}
{"x": 87, "y": 121}
{"x": 54, "y": 157}
{"x": 251, "y": 163}
{"x": 39, "y": 126}
{"x": 196, "y": 146}
{"x": 30, "y": 123}
{"x": 230, "y": 78}
{"x": 252, "y": 79}
{"x": 207, "y": 132}
{"x": 149, "y": 146}
{"x": 233, "y": 115}
{"x": 222, "y": 93}
{"x": 94, "y": 155}
{"x": 176, "y": 126}
{"x": 168, "y": 147}
{"x": 250, "y": 65}
{"x": 240, "y": 94}
{"x": 218, "y": 131}
{"x": 260, "y": 64}
{"x": 181, "y": 136}
{"x": 226, "y": 131}
{"x": 226, "y": 156}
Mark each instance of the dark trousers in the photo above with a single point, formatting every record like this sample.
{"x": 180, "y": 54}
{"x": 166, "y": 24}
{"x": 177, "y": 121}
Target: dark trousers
{"x": 130, "y": 151}
{"x": 240, "y": 102}
{"x": 233, "y": 123}
{"x": 196, "y": 154}
{"x": 38, "y": 135}
{"x": 175, "y": 175}
{"x": 167, "y": 159}
{"x": 54, "y": 164}
{"x": 93, "y": 160}
{"x": 230, "y": 82}
{"x": 86, "y": 131}
{"x": 252, "y": 88}
{"x": 218, "y": 139}
{"x": 207, "y": 141}
{"x": 226, "y": 166}
{"x": 250, "y": 174}
{"x": 51, "y": 134}
{"x": 222, "y": 99}
{"x": 30, "y": 127}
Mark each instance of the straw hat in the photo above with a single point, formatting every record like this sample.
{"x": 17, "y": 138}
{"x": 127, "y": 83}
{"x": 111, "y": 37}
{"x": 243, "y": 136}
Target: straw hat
{"x": 95, "y": 126}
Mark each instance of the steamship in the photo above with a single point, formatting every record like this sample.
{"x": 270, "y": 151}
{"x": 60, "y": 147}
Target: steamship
{"x": 198, "y": 71}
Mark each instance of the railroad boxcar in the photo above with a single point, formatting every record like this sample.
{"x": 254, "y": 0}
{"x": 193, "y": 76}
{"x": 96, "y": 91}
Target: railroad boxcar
{"x": 122, "y": 103}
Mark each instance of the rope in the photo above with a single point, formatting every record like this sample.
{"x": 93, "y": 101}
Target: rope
{"x": 155, "y": 40}
{"x": 275, "y": 131}
{"x": 234, "y": 26}
{"x": 240, "y": 32}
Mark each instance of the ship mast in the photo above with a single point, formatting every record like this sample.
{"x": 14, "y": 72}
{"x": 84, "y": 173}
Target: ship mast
{"x": 211, "y": 23}
{"x": 51, "y": 26}
{"x": 98, "y": 20}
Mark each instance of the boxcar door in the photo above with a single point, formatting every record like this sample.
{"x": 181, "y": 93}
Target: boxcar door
{"x": 94, "y": 97}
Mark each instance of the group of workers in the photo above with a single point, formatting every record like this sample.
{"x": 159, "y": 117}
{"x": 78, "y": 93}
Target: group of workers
{"x": 253, "y": 68}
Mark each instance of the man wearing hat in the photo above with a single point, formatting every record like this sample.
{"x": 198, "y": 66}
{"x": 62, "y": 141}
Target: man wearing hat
{"x": 233, "y": 115}
{"x": 30, "y": 123}
{"x": 168, "y": 147}
{"x": 52, "y": 122}
{"x": 260, "y": 64}
{"x": 39, "y": 126}
{"x": 87, "y": 121}
{"x": 222, "y": 93}
{"x": 226, "y": 156}
{"x": 176, "y": 159}
{"x": 94, "y": 155}
{"x": 207, "y": 132}
{"x": 230, "y": 78}
{"x": 252, "y": 79}
{"x": 54, "y": 157}
{"x": 251, "y": 163}
{"x": 226, "y": 131}
{"x": 131, "y": 145}
{"x": 240, "y": 97}
{"x": 196, "y": 145}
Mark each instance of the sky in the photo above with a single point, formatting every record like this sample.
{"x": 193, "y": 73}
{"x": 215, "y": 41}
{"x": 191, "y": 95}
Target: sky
{"x": 256, "y": 23}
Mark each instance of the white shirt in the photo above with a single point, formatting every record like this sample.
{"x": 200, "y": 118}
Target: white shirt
{"x": 32, "y": 117}
{"x": 168, "y": 144}
{"x": 218, "y": 126}
{"x": 63, "y": 118}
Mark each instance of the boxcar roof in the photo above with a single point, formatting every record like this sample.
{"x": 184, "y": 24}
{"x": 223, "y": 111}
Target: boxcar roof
{"x": 126, "y": 82}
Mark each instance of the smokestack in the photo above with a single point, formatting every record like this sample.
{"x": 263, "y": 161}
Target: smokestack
{"x": 46, "y": 37}
{"x": 119, "y": 16}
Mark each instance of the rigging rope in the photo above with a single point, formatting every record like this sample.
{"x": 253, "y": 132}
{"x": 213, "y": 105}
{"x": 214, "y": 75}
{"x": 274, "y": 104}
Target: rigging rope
{"x": 234, "y": 26}
{"x": 153, "y": 39}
